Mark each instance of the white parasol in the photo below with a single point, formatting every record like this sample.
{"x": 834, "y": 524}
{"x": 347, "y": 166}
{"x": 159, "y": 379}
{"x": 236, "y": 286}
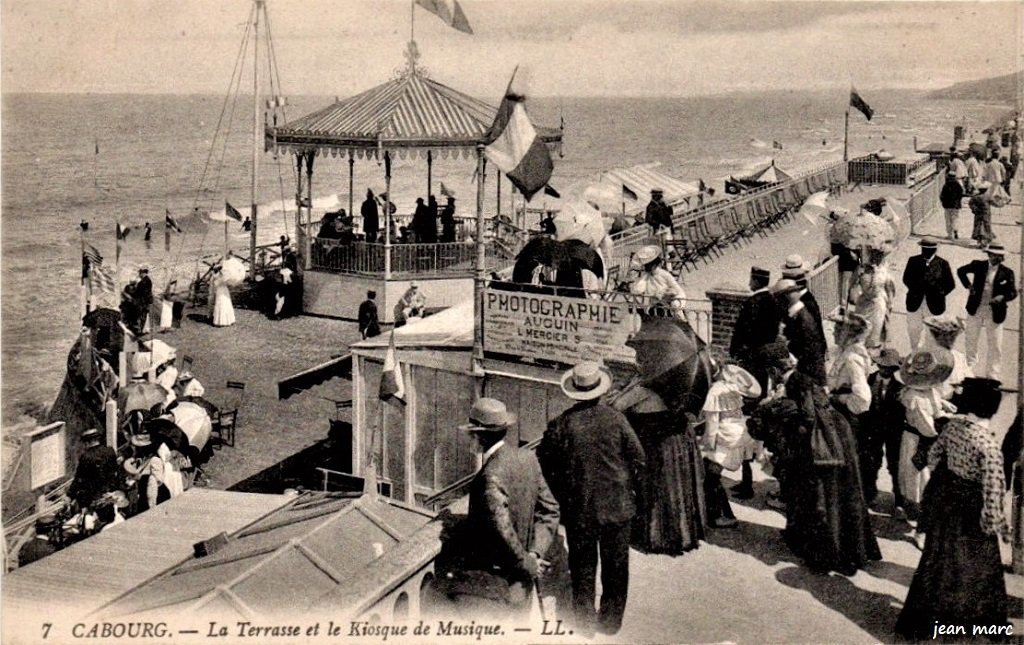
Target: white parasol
{"x": 232, "y": 270}
{"x": 579, "y": 220}
{"x": 815, "y": 207}
{"x": 194, "y": 421}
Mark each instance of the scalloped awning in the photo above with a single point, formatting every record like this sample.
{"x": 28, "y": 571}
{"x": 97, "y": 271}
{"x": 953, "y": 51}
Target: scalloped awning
{"x": 412, "y": 114}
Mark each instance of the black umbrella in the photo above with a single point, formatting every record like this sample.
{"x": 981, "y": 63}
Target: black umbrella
{"x": 168, "y": 431}
{"x": 673, "y": 362}
{"x": 584, "y": 257}
{"x": 539, "y": 251}
{"x": 101, "y": 318}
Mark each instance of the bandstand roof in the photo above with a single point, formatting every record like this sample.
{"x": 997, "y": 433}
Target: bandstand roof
{"x": 408, "y": 112}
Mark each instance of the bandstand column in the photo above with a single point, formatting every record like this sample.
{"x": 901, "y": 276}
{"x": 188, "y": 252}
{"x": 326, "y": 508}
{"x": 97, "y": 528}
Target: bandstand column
{"x": 299, "y": 233}
{"x": 387, "y": 215}
{"x": 481, "y": 268}
{"x": 351, "y": 167}
{"x": 430, "y": 173}
{"x": 309, "y": 203}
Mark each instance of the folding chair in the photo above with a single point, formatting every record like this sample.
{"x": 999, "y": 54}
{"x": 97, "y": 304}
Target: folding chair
{"x": 678, "y": 253}
{"x": 227, "y": 419}
{"x": 714, "y": 237}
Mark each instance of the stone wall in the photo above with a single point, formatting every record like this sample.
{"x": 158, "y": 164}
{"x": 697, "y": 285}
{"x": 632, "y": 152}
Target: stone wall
{"x": 726, "y": 300}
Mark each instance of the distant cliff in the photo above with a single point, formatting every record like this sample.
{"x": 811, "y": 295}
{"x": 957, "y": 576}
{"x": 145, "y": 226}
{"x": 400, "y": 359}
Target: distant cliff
{"x": 1000, "y": 88}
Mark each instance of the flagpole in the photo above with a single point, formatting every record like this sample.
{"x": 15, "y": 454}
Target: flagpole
{"x": 846, "y": 137}
{"x": 85, "y": 275}
{"x": 481, "y": 268}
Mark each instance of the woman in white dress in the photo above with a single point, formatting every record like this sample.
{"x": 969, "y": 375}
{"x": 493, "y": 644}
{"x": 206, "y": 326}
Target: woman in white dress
{"x": 872, "y": 296}
{"x": 656, "y": 282}
{"x": 223, "y": 311}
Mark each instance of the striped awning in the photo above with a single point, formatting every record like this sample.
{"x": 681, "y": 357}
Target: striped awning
{"x": 411, "y": 112}
{"x": 642, "y": 178}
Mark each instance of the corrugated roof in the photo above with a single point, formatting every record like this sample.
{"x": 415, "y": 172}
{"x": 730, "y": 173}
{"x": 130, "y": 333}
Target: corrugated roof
{"x": 281, "y": 564}
{"x": 95, "y": 571}
{"x": 411, "y": 110}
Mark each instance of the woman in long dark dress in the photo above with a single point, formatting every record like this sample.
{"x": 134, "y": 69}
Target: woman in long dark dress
{"x": 827, "y": 520}
{"x": 959, "y": 580}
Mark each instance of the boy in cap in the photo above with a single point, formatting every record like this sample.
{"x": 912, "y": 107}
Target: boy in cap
{"x": 929, "y": 280}
{"x": 883, "y": 426}
{"x": 992, "y": 285}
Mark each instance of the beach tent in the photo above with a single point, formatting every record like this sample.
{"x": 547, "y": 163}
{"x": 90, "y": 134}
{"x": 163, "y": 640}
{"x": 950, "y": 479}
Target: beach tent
{"x": 770, "y": 174}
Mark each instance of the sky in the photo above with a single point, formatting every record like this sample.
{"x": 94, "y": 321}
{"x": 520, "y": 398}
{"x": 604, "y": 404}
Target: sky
{"x": 563, "y": 47}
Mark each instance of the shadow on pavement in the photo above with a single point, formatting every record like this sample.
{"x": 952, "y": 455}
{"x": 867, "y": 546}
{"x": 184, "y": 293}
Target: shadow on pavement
{"x": 762, "y": 542}
{"x": 875, "y": 613}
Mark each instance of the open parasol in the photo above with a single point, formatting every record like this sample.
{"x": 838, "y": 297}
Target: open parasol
{"x": 141, "y": 396}
{"x": 195, "y": 422}
{"x": 579, "y": 220}
{"x": 815, "y": 207}
{"x": 672, "y": 361}
{"x": 864, "y": 230}
{"x": 166, "y": 430}
{"x": 233, "y": 270}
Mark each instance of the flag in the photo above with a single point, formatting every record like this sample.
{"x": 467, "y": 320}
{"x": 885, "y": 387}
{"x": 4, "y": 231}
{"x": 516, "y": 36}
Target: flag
{"x": 551, "y": 192}
{"x": 776, "y": 145}
{"x": 701, "y": 186}
{"x": 733, "y": 187}
{"x": 857, "y": 102}
{"x": 122, "y": 232}
{"x": 392, "y": 386}
{"x": 277, "y": 102}
{"x": 232, "y": 212}
{"x": 92, "y": 269}
{"x": 445, "y": 192}
{"x": 449, "y": 11}
{"x": 627, "y": 193}
{"x": 515, "y": 147}
{"x": 169, "y": 222}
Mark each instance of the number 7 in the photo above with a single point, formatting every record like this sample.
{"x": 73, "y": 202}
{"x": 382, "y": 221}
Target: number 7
{"x": 46, "y": 629}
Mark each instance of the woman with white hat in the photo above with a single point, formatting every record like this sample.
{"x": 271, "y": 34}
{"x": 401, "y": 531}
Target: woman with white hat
{"x": 943, "y": 332}
{"x": 656, "y": 283}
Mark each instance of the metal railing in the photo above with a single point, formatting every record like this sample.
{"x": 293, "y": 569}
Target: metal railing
{"x": 361, "y": 258}
{"x": 869, "y": 170}
{"x": 823, "y": 282}
{"x": 923, "y": 201}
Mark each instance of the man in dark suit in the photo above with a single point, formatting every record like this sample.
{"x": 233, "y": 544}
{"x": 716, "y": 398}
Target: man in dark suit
{"x": 804, "y": 337}
{"x": 97, "y": 472}
{"x": 882, "y": 427}
{"x": 369, "y": 325}
{"x": 757, "y": 326}
{"x": 595, "y": 465}
{"x": 992, "y": 285}
{"x": 143, "y": 299}
{"x": 40, "y": 546}
{"x": 796, "y": 269}
{"x": 371, "y": 217}
{"x": 659, "y": 215}
{"x": 929, "y": 280}
{"x": 513, "y": 517}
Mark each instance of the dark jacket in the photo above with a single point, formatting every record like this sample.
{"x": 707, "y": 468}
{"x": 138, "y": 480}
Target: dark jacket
{"x": 807, "y": 343}
{"x": 952, "y": 194}
{"x": 757, "y": 324}
{"x": 928, "y": 282}
{"x": 659, "y": 214}
{"x": 594, "y": 463}
{"x": 97, "y": 473}
{"x": 369, "y": 326}
{"x": 144, "y": 292}
{"x": 35, "y": 549}
{"x": 972, "y": 276}
{"x": 371, "y": 220}
{"x": 511, "y": 511}
{"x": 813, "y": 308}
{"x": 886, "y": 412}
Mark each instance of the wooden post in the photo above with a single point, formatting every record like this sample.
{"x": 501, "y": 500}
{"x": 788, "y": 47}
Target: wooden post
{"x": 351, "y": 168}
{"x": 846, "y": 137}
{"x": 110, "y": 417}
{"x": 308, "y": 244}
{"x": 480, "y": 273}
{"x": 387, "y": 216}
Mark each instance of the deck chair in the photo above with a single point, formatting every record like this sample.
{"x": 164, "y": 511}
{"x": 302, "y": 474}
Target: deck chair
{"x": 227, "y": 417}
{"x": 703, "y": 245}
{"x": 711, "y": 230}
{"x": 678, "y": 254}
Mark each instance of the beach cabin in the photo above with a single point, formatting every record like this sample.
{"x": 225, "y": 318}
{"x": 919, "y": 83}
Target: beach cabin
{"x": 410, "y": 116}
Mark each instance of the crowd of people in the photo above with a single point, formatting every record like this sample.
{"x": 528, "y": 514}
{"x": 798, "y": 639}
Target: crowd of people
{"x": 431, "y": 223}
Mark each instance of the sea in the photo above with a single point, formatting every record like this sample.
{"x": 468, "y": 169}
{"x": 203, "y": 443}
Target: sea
{"x": 129, "y": 159}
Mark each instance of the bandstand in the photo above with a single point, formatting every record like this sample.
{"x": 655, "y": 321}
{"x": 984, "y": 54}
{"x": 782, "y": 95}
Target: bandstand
{"x": 414, "y": 116}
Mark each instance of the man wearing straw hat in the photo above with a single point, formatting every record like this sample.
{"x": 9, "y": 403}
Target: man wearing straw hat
{"x": 803, "y": 334}
{"x": 595, "y": 465}
{"x": 929, "y": 280}
{"x": 795, "y": 269}
{"x": 992, "y": 285}
{"x": 513, "y": 518}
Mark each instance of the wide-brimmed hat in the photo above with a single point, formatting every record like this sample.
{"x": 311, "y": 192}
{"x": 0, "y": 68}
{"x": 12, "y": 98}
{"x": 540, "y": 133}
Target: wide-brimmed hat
{"x": 995, "y": 248}
{"x": 944, "y": 324}
{"x": 140, "y": 440}
{"x": 647, "y": 254}
{"x": 794, "y": 266}
{"x": 585, "y": 381}
{"x": 783, "y": 286}
{"x": 488, "y": 415}
{"x": 744, "y": 381}
{"x": 926, "y": 367}
{"x": 928, "y": 242}
{"x": 853, "y": 323}
{"x": 888, "y": 357}
{"x": 90, "y": 434}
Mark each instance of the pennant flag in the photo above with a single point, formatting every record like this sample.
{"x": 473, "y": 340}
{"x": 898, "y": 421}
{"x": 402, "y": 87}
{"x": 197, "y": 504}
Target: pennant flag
{"x": 733, "y": 187}
{"x": 392, "y": 387}
{"x": 701, "y": 186}
{"x": 857, "y": 102}
{"x": 169, "y": 222}
{"x": 776, "y": 145}
{"x": 551, "y": 192}
{"x": 122, "y": 232}
{"x": 515, "y": 147}
{"x": 232, "y": 212}
{"x": 627, "y": 193}
{"x": 445, "y": 192}
{"x": 449, "y": 11}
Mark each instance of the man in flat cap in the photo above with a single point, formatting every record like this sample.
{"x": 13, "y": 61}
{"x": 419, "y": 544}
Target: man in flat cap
{"x": 992, "y": 285}
{"x": 659, "y": 215}
{"x": 929, "y": 280}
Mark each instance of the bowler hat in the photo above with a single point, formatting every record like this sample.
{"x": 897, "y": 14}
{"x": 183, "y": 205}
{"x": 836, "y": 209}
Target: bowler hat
{"x": 488, "y": 415}
{"x": 927, "y": 367}
{"x": 928, "y": 242}
{"x": 888, "y": 357}
{"x": 585, "y": 381}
